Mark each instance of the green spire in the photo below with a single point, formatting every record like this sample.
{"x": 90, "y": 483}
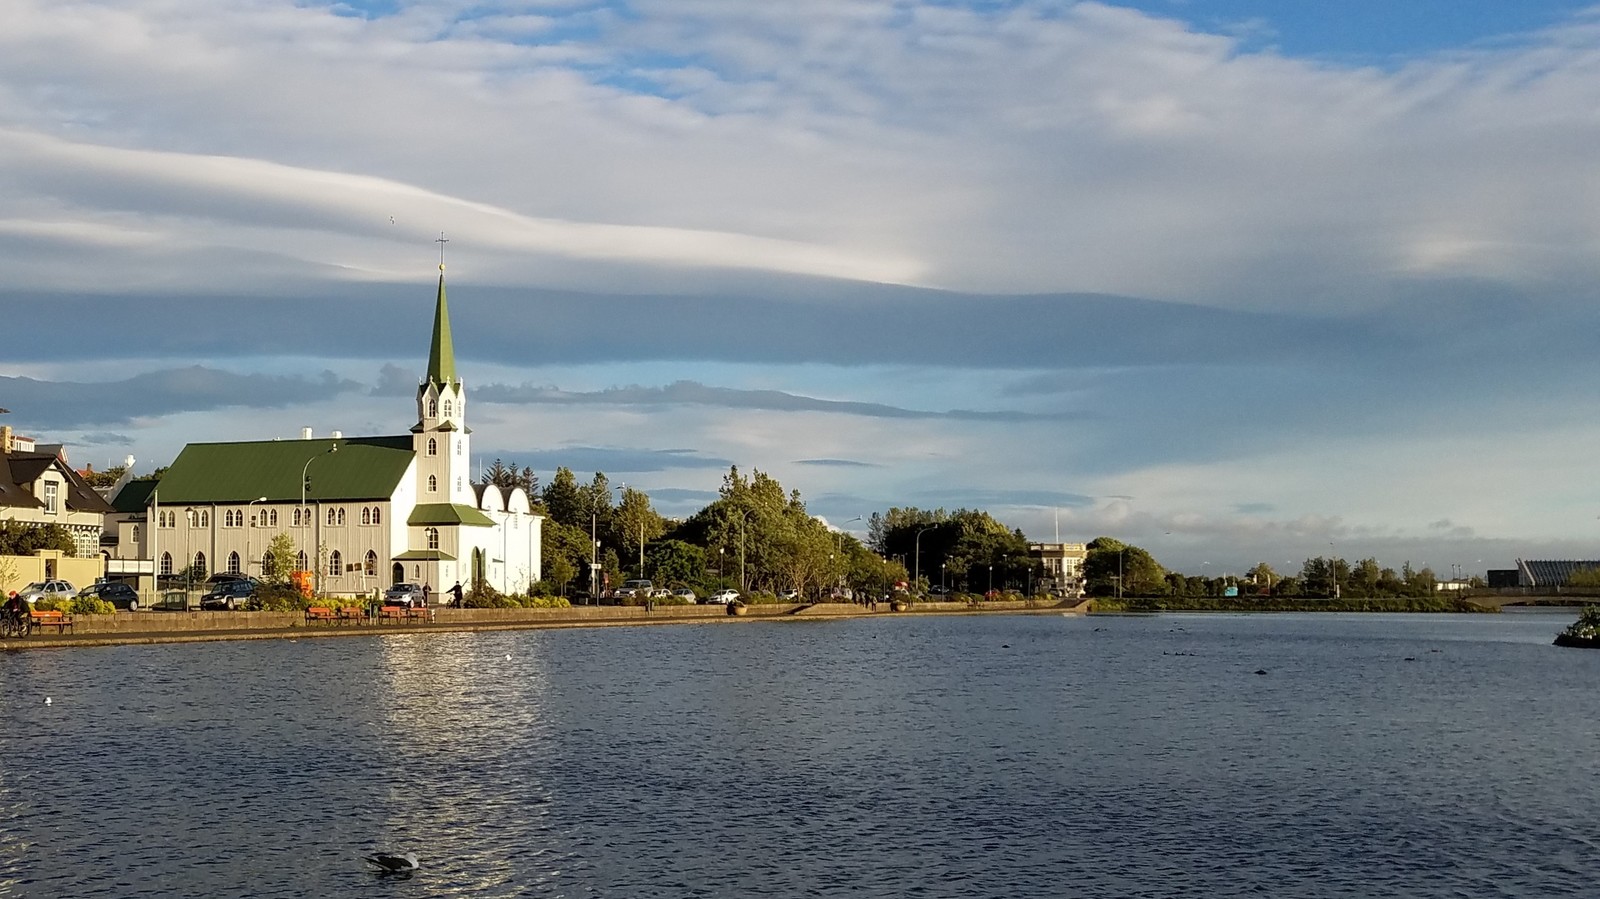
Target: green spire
{"x": 441, "y": 354}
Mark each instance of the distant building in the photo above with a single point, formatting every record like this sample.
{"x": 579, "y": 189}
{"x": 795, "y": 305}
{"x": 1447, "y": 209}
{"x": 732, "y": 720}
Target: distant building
{"x": 1063, "y": 566}
{"x": 1550, "y": 574}
{"x": 37, "y": 486}
{"x": 1502, "y": 577}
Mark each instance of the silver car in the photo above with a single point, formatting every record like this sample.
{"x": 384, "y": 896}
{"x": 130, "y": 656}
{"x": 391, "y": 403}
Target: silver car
{"x": 56, "y": 589}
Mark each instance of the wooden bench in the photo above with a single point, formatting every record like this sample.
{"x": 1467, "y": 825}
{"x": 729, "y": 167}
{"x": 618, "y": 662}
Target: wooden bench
{"x": 351, "y": 614}
{"x": 392, "y": 613}
{"x": 319, "y": 613}
{"x": 422, "y": 614}
{"x": 53, "y": 618}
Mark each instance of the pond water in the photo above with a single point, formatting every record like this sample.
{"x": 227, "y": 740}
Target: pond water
{"x": 964, "y": 756}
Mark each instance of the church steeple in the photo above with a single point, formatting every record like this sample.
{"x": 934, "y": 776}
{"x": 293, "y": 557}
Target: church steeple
{"x": 441, "y": 353}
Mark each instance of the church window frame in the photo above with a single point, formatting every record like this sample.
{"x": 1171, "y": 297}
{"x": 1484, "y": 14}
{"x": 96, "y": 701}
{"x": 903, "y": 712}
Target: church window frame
{"x": 335, "y": 564}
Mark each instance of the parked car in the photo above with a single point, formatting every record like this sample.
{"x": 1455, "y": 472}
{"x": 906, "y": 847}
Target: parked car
{"x": 789, "y": 596}
{"x": 722, "y": 597}
{"x": 121, "y": 596}
{"x": 639, "y": 587}
{"x": 409, "y": 596}
{"x": 685, "y": 594}
{"x": 56, "y": 589}
{"x": 229, "y": 595}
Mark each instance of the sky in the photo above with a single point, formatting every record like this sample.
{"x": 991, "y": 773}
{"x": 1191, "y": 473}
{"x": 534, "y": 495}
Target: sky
{"x": 1232, "y": 280}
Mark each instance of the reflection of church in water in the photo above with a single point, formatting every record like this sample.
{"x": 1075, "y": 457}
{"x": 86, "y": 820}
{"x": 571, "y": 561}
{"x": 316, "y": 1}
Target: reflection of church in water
{"x": 364, "y": 512}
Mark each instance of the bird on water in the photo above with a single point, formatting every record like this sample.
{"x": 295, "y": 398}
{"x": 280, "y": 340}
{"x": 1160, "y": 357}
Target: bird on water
{"x": 404, "y": 863}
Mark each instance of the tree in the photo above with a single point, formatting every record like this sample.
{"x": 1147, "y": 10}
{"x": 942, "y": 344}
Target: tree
{"x": 637, "y": 524}
{"x": 560, "y": 571}
{"x": 279, "y": 558}
{"x": 1112, "y": 564}
{"x": 101, "y": 479}
{"x": 509, "y": 479}
{"x": 23, "y": 539}
{"x": 564, "y": 501}
{"x": 677, "y": 562}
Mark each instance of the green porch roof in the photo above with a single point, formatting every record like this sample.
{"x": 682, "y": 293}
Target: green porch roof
{"x": 448, "y": 513}
{"x": 362, "y": 468}
{"x": 424, "y": 555}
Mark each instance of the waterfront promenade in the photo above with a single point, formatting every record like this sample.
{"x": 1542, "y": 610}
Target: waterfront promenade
{"x": 188, "y": 627}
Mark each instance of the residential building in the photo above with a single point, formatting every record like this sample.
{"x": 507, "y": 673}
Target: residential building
{"x": 1063, "y": 566}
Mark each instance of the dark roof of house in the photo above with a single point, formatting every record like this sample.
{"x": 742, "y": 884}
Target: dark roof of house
{"x": 134, "y": 495}
{"x": 361, "y": 468}
{"x": 20, "y": 469}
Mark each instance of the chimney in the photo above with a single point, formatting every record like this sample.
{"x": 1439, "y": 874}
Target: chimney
{"x": 305, "y": 433}
{"x": 337, "y": 435}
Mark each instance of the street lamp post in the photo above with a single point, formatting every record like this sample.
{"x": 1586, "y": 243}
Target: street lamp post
{"x": 916, "y": 558}
{"x": 991, "y": 581}
{"x": 250, "y": 525}
{"x": 305, "y": 481}
{"x": 1333, "y": 572}
{"x": 742, "y": 583}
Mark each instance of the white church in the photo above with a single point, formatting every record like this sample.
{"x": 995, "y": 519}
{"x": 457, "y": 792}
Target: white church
{"x": 364, "y": 512}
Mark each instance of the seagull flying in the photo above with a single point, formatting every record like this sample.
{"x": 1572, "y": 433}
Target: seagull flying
{"x": 404, "y": 863}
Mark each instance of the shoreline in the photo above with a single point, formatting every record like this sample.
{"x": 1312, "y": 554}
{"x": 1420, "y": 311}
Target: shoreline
{"x": 135, "y": 629}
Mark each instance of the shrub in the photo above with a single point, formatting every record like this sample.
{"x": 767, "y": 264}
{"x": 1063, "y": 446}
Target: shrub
{"x": 280, "y": 598}
{"x": 88, "y": 605}
{"x": 548, "y": 602}
{"x": 762, "y": 598}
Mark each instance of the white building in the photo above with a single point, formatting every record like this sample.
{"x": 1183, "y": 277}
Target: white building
{"x": 364, "y": 512}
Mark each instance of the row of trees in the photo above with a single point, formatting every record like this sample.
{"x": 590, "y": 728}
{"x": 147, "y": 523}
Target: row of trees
{"x": 1115, "y": 568}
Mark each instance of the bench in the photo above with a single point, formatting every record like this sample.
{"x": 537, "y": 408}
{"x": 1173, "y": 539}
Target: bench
{"x": 351, "y": 613}
{"x": 419, "y": 614}
{"x": 319, "y": 613}
{"x": 53, "y": 618}
{"x": 392, "y": 613}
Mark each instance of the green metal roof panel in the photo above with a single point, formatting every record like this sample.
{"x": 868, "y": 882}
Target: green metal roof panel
{"x": 448, "y": 513}
{"x": 135, "y": 495}
{"x": 424, "y": 555}
{"x": 362, "y": 468}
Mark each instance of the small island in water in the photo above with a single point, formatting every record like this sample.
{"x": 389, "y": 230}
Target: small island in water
{"x": 1585, "y": 632}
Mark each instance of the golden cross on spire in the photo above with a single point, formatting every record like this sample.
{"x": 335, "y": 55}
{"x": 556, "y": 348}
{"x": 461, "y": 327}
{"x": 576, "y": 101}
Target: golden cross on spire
{"x": 441, "y": 242}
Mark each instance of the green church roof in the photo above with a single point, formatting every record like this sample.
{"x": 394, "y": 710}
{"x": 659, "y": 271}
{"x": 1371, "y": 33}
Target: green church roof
{"x": 362, "y": 468}
{"x": 441, "y": 352}
{"x": 135, "y": 495}
{"x": 448, "y": 513}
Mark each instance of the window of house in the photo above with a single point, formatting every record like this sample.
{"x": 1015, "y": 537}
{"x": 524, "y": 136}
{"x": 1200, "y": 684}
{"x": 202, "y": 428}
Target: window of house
{"x": 135, "y": 535}
{"x": 433, "y": 447}
{"x": 200, "y": 564}
{"x": 335, "y": 564}
{"x": 433, "y": 538}
{"x": 50, "y": 506}
{"x": 433, "y": 484}
{"x": 233, "y": 563}
{"x": 272, "y": 518}
{"x": 341, "y": 516}
{"x": 377, "y": 514}
{"x": 366, "y": 515}
{"x": 371, "y": 563}
{"x": 433, "y": 408}
{"x": 166, "y": 563}
{"x": 268, "y": 564}
{"x": 300, "y": 561}
{"x": 446, "y": 408}
{"x": 330, "y": 516}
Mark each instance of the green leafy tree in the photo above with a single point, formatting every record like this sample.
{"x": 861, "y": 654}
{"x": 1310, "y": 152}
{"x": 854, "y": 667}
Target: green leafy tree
{"x": 637, "y": 524}
{"x": 278, "y": 560}
{"x": 23, "y": 539}
{"x": 565, "y": 501}
{"x": 560, "y": 571}
{"x": 1111, "y": 563}
{"x": 675, "y": 562}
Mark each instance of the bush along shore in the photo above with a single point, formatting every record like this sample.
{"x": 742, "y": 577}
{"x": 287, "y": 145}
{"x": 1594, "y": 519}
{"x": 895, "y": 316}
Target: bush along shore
{"x": 1583, "y": 633}
{"x": 1287, "y": 604}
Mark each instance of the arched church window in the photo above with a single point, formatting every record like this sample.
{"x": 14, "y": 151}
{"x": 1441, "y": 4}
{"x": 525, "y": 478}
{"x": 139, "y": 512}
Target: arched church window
{"x": 233, "y": 563}
{"x": 433, "y": 538}
{"x": 433, "y": 447}
{"x": 371, "y": 563}
{"x": 446, "y": 408}
{"x": 377, "y": 515}
{"x": 433, "y": 483}
{"x": 335, "y": 564}
{"x": 199, "y": 564}
{"x": 433, "y": 408}
{"x": 166, "y": 563}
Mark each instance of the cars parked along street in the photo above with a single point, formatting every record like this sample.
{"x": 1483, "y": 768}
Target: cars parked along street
{"x": 722, "y": 597}
{"x": 685, "y": 594}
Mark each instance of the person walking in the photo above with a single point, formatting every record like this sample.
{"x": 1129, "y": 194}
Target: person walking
{"x": 456, "y": 592}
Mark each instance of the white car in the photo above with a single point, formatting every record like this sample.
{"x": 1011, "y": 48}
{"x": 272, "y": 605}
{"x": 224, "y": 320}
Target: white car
{"x": 685, "y": 594}
{"x": 722, "y": 597}
{"x": 57, "y": 589}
